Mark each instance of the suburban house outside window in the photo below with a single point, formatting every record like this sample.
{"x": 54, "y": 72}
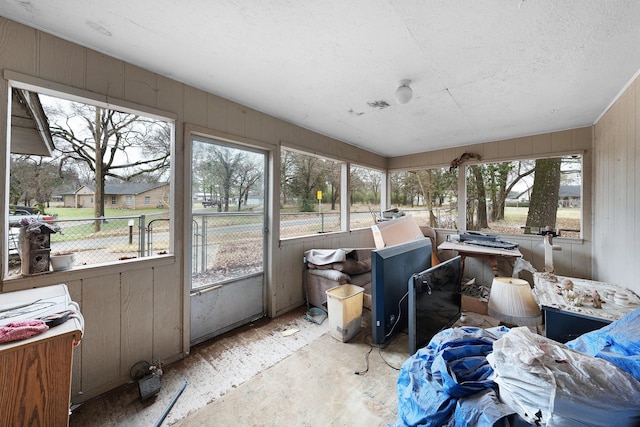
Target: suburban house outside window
{"x": 56, "y": 172}
{"x": 147, "y": 200}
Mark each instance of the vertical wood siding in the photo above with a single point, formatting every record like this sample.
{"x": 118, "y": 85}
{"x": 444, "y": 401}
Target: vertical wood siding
{"x": 617, "y": 193}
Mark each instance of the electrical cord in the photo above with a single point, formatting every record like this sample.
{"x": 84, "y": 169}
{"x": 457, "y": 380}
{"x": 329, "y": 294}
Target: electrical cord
{"x": 385, "y": 361}
{"x": 399, "y": 315}
{"x": 366, "y": 360}
{"x": 380, "y": 347}
{"x": 366, "y": 356}
{"x": 384, "y": 345}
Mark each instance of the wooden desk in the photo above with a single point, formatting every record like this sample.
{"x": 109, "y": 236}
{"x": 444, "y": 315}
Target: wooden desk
{"x": 566, "y": 320}
{"x": 475, "y": 251}
{"x": 35, "y": 373}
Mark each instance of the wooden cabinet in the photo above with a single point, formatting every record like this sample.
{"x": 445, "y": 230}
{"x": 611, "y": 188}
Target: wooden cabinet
{"x": 35, "y": 374}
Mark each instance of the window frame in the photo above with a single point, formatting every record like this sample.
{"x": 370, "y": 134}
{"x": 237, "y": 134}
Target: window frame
{"x": 42, "y": 87}
{"x": 382, "y": 197}
{"x": 342, "y": 164}
{"x": 462, "y": 183}
{"x": 422, "y": 212}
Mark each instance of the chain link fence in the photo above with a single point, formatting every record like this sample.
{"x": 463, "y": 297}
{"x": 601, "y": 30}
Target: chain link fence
{"x": 226, "y": 246}
{"x": 295, "y": 224}
{"x": 101, "y": 240}
{"x": 307, "y": 223}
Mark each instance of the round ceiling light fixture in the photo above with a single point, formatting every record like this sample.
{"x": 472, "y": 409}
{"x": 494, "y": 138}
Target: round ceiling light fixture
{"x": 404, "y": 93}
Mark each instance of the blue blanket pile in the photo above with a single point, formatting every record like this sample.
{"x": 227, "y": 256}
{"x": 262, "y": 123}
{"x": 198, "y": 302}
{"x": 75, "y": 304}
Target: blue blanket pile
{"x": 618, "y": 342}
{"x": 448, "y": 382}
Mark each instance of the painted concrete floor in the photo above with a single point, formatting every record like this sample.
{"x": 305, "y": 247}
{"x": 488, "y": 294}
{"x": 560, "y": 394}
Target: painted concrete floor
{"x": 286, "y": 371}
{"x": 211, "y": 369}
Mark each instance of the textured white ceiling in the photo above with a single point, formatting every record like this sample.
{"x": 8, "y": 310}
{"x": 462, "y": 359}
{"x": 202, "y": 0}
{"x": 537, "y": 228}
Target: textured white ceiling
{"x": 481, "y": 70}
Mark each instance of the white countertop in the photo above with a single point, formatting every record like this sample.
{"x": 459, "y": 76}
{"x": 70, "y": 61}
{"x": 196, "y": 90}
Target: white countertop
{"x": 36, "y": 303}
{"x": 548, "y": 292}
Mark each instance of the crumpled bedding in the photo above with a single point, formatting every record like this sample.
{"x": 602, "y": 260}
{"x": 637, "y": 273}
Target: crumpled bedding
{"x": 500, "y": 377}
{"x": 549, "y": 384}
{"x": 449, "y": 382}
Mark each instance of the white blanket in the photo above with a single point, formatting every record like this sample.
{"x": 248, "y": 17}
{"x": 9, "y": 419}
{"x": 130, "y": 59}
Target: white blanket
{"x": 549, "y": 384}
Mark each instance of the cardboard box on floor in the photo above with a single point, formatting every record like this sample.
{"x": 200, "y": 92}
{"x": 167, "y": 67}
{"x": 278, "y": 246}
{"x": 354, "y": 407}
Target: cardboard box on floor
{"x": 396, "y": 231}
{"x": 472, "y": 297}
{"x": 474, "y": 304}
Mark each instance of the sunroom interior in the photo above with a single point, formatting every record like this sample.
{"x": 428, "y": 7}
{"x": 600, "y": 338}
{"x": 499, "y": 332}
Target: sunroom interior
{"x": 564, "y": 84}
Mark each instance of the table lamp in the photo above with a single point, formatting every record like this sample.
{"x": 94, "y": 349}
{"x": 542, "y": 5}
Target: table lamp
{"x": 511, "y": 301}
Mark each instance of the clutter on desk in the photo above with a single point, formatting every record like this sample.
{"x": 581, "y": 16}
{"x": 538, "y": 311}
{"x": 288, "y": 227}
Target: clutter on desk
{"x": 588, "y": 297}
{"x": 487, "y": 240}
{"x": 480, "y": 236}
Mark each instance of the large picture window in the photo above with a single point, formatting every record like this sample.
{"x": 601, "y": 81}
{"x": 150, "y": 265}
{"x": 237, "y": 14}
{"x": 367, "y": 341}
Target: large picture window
{"x": 309, "y": 194}
{"x": 429, "y": 195}
{"x": 365, "y": 196}
{"x": 88, "y": 171}
{"x": 526, "y": 196}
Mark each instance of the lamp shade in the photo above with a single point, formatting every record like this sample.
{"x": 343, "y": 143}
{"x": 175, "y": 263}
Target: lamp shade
{"x": 511, "y": 300}
{"x": 404, "y": 93}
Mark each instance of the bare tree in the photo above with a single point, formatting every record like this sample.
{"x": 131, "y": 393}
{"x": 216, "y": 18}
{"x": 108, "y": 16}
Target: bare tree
{"x": 301, "y": 177}
{"x": 477, "y": 200}
{"x": 365, "y": 185}
{"x": 226, "y": 162}
{"x": 248, "y": 175}
{"x": 334, "y": 183}
{"x": 543, "y": 207}
{"x": 33, "y": 179}
{"x": 286, "y": 165}
{"x": 111, "y": 143}
{"x": 308, "y": 181}
{"x": 502, "y": 178}
{"x": 425, "y": 180}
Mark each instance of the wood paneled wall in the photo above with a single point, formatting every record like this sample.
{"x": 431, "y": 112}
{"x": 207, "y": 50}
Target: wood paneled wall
{"x": 617, "y": 191}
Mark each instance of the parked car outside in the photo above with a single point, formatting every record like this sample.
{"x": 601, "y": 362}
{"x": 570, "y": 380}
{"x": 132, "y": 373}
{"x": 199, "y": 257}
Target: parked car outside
{"x": 210, "y": 203}
{"x": 17, "y": 215}
{"x": 30, "y": 209}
